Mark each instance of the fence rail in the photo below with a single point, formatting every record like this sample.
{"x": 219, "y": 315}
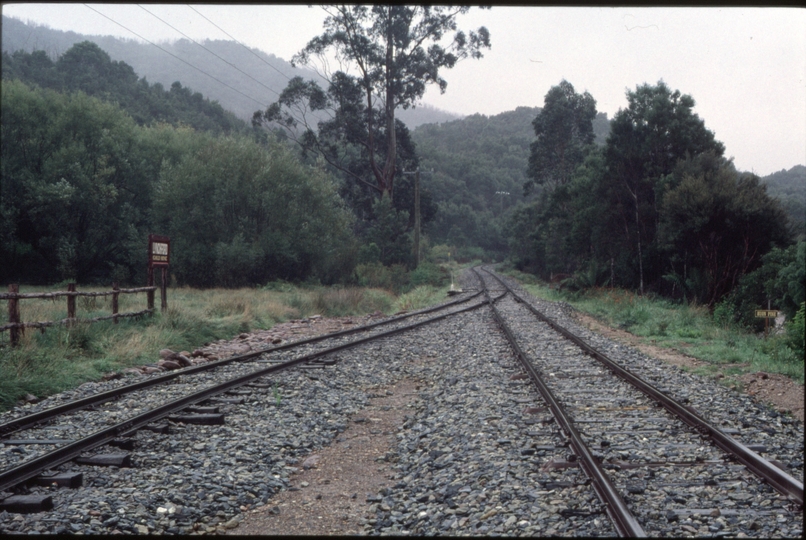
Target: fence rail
{"x": 17, "y": 327}
{"x": 56, "y": 294}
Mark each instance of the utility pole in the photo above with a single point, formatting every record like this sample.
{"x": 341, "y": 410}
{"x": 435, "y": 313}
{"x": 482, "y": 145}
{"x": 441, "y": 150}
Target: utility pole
{"x": 502, "y": 194}
{"x": 417, "y": 218}
{"x": 416, "y": 247}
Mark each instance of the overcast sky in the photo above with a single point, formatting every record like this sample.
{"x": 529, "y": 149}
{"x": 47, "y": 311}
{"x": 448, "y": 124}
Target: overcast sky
{"x": 744, "y": 67}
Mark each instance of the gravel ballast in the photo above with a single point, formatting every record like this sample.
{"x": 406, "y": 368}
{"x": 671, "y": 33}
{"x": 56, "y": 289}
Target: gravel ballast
{"x": 474, "y": 454}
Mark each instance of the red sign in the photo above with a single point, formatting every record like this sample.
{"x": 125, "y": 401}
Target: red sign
{"x": 159, "y": 250}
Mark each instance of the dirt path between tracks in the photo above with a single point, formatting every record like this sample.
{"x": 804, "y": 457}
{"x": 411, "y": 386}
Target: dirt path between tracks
{"x": 328, "y": 496}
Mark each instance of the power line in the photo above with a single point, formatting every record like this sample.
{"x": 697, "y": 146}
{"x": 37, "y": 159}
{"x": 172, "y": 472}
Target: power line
{"x": 183, "y": 61}
{"x": 208, "y": 50}
{"x": 239, "y": 43}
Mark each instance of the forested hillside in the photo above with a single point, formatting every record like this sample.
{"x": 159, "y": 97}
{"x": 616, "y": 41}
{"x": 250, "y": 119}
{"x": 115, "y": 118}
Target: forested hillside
{"x": 790, "y": 188}
{"x": 94, "y": 158}
{"x": 255, "y": 83}
{"x": 479, "y": 165}
{"x": 87, "y": 68}
{"x": 83, "y": 185}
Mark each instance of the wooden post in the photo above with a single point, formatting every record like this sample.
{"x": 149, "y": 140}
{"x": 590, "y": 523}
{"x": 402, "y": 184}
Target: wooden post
{"x": 150, "y": 294}
{"x": 164, "y": 290}
{"x": 14, "y": 315}
{"x": 115, "y": 295}
{"x": 417, "y": 218}
{"x": 71, "y": 304}
{"x": 612, "y": 274}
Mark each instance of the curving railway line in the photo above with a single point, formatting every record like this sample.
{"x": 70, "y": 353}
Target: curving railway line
{"x": 562, "y": 435}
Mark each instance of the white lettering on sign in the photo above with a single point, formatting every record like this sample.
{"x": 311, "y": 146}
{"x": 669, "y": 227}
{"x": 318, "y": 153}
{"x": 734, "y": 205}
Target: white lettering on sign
{"x": 159, "y": 248}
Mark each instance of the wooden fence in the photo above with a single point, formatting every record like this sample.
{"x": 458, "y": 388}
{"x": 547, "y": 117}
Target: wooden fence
{"x": 16, "y": 327}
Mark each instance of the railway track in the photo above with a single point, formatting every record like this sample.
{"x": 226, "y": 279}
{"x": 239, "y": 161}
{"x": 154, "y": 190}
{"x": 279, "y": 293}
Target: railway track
{"x": 478, "y": 417}
{"x": 628, "y": 446}
{"x": 127, "y": 409}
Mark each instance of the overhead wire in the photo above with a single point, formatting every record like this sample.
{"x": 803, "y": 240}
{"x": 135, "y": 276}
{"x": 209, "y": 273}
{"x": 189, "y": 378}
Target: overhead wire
{"x": 208, "y": 50}
{"x": 242, "y": 45}
{"x": 239, "y": 43}
{"x": 173, "y": 55}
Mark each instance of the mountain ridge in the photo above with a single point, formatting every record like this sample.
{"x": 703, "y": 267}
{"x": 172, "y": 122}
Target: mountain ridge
{"x": 268, "y": 77}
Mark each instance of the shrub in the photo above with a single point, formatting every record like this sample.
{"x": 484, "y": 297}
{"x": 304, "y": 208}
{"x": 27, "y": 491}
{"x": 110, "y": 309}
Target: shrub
{"x": 429, "y": 274}
{"x": 373, "y": 275}
{"x": 724, "y": 314}
{"x": 399, "y": 277}
{"x": 369, "y": 253}
{"x": 440, "y": 253}
{"x": 796, "y": 332}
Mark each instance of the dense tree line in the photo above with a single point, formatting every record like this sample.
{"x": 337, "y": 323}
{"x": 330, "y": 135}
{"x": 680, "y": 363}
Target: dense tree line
{"x": 82, "y": 185}
{"x": 95, "y": 159}
{"x": 240, "y": 214}
{"x": 656, "y": 209}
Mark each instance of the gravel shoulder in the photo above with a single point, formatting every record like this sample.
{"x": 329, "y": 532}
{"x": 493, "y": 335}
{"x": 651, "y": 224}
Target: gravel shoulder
{"x": 782, "y": 393}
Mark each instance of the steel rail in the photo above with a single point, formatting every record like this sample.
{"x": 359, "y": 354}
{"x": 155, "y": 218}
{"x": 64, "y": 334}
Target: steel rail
{"x": 777, "y": 478}
{"x": 24, "y": 422}
{"x": 623, "y": 520}
{"x": 27, "y": 470}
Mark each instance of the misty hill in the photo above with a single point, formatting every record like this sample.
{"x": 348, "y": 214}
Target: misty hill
{"x": 790, "y": 187}
{"x": 494, "y": 148}
{"x": 267, "y": 74}
{"x": 479, "y": 165}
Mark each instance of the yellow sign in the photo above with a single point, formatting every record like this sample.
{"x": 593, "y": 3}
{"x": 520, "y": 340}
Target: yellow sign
{"x": 766, "y": 313}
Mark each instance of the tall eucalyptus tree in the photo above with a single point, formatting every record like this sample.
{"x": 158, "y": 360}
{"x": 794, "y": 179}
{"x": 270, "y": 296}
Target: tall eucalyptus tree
{"x": 395, "y": 51}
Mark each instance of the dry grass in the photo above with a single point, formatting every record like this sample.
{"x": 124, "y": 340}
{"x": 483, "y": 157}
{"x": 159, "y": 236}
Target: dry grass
{"x": 63, "y": 357}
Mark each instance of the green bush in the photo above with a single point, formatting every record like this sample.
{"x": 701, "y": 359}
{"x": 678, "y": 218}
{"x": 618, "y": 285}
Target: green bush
{"x": 374, "y": 275}
{"x": 470, "y": 253}
{"x": 781, "y": 280}
{"x": 369, "y": 253}
{"x": 429, "y": 274}
{"x": 796, "y": 332}
{"x": 724, "y": 314}
{"x": 440, "y": 253}
{"x": 399, "y": 277}
{"x": 387, "y": 231}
